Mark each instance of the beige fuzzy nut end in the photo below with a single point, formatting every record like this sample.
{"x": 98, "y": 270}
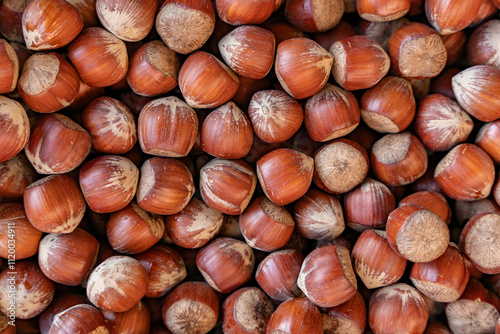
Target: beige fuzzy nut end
{"x": 447, "y": 161}
{"x": 340, "y": 167}
{"x": 392, "y": 148}
{"x": 435, "y": 291}
{"x": 252, "y": 310}
{"x": 16, "y": 5}
{"x": 163, "y": 59}
{"x": 39, "y": 73}
{"x": 379, "y": 122}
{"x": 468, "y": 316}
{"x": 277, "y": 213}
{"x": 190, "y": 316}
{"x": 424, "y": 237}
{"x": 147, "y": 181}
{"x": 184, "y": 30}
{"x": 346, "y": 265}
{"x": 333, "y": 325}
{"x": 327, "y": 14}
{"x": 482, "y": 243}
{"x": 423, "y": 57}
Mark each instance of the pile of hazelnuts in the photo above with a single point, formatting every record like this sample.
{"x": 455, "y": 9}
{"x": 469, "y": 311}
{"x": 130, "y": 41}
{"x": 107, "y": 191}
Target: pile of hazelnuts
{"x": 250, "y": 166}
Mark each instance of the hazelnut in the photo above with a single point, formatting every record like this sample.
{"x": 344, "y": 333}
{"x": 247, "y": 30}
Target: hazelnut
{"x": 239, "y": 12}
{"x": 340, "y": 165}
{"x": 227, "y": 185}
{"x": 99, "y": 57}
{"x": 285, "y": 175}
{"x": 466, "y": 173}
{"x": 479, "y": 240}
{"x": 108, "y": 183}
{"x": 275, "y": 116}
{"x": 448, "y": 17}
{"x": 60, "y": 303}
{"x": 226, "y": 132}
{"x": 111, "y": 125}
{"x": 80, "y": 318}
{"x": 349, "y": 317}
{"x": 165, "y": 267}
{"x": 374, "y": 260}
{"x": 297, "y": 315}
{"x": 443, "y": 279}
{"x": 278, "y": 272}
{"x": 327, "y": 277}
{"x": 9, "y": 67}
{"x": 14, "y": 128}
{"x": 27, "y": 237}
{"x": 167, "y": 127}
{"x": 486, "y": 138}
{"x": 54, "y": 204}
{"x": 481, "y": 46}
{"x": 368, "y": 205}
{"x": 417, "y": 234}
{"x": 397, "y": 308}
{"x": 15, "y": 175}
{"x": 185, "y": 25}
{"x": 153, "y": 69}
{"x": 195, "y": 225}
{"x": 417, "y": 51}
{"x": 399, "y": 159}
{"x": 34, "y": 292}
{"x": 117, "y": 284}
{"x": 249, "y": 51}
{"x": 265, "y": 225}
{"x": 57, "y": 145}
{"x": 246, "y": 310}
{"x": 358, "y": 62}
{"x": 475, "y": 90}
{"x": 48, "y": 82}
{"x": 50, "y": 24}
{"x": 314, "y": 15}
{"x": 373, "y": 10}
{"x": 441, "y": 124}
{"x": 225, "y": 263}
{"x": 205, "y": 81}
{"x": 68, "y": 258}
{"x": 331, "y": 113}
{"x": 135, "y": 320}
{"x": 473, "y": 312}
{"x": 318, "y": 216}
{"x": 310, "y": 59}
{"x": 133, "y": 230}
{"x": 165, "y": 187}
{"x": 192, "y": 307}
{"x": 389, "y": 106}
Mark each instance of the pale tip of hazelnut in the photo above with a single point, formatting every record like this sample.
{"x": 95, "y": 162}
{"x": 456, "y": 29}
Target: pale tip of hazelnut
{"x": 392, "y": 148}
